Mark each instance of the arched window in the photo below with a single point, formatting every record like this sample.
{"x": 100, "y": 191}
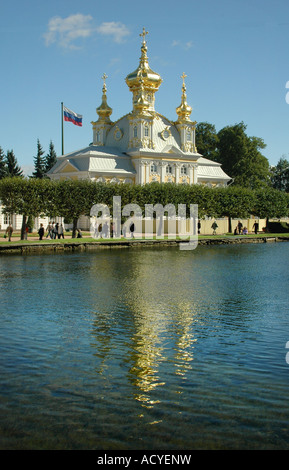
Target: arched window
{"x": 146, "y": 131}
{"x": 189, "y": 135}
{"x": 98, "y": 136}
{"x": 154, "y": 168}
{"x": 169, "y": 170}
{"x": 135, "y": 131}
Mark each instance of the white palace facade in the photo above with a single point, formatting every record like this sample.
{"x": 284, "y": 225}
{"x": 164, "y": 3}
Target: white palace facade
{"x": 143, "y": 146}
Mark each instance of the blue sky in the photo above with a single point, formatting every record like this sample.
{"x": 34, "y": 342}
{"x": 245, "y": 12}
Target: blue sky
{"x": 235, "y": 55}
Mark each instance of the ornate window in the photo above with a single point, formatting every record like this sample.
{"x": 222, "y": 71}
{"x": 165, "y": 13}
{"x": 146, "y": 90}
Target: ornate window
{"x": 146, "y": 131}
{"x": 7, "y": 219}
{"x": 169, "y": 170}
{"x": 98, "y": 136}
{"x": 135, "y": 131}
{"x": 166, "y": 133}
{"x": 154, "y": 168}
{"x": 184, "y": 170}
{"x": 189, "y": 135}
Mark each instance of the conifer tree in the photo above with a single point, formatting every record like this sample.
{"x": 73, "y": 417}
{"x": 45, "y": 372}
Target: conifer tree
{"x": 3, "y": 166}
{"x": 51, "y": 158}
{"x": 13, "y": 169}
{"x": 39, "y": 163}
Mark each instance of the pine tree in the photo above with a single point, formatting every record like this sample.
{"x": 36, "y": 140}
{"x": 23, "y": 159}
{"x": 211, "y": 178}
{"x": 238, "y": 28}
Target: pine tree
{"x": 3, "y": 166}
{"x": 51, "y": 158}
{"x": 39, "y": 163}
{"x": 13, "y": 169}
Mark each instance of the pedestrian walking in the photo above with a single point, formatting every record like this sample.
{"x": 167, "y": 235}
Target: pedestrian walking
{"x": 256, "y": 227}
{"x": 214, "y": 227}
{"x": 9, "y": 231}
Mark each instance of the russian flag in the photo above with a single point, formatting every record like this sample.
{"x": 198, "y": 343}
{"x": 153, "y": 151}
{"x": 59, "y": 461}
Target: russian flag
{"x": 71, "y": 116}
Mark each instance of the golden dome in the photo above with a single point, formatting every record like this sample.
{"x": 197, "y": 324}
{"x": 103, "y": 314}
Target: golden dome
{"x": 104, "y": 111}
{"x": 143, "y": 76}
{"x": 184, "y": 110}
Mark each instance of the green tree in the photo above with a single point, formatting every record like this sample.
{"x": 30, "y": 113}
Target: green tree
{"x": 241, "y": 158}
{"x": 30, "y": 197}
{"x": 270, "y": 203}
{"x": 39, "y": 162}
{"x": 207, "y": 140}
{"x": 234, "y": 202}
{"x": 73, "y": 199}
{"x": 13, "y": 169}
{"x": 280, "y": 175}
{"x": 3, "y": 164}
{"x": 51, "y": 158}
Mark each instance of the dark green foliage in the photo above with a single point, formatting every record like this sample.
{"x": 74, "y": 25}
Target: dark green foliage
{"x": 51, "y": 158}
{"x": 13, "y": 169}
{"x": 280, "y": 175}
{"x": 39, "y": 162}
{"x": 3, "y": 166}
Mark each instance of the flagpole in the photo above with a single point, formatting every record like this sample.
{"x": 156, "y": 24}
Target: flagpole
{"x": 62, "y": 140}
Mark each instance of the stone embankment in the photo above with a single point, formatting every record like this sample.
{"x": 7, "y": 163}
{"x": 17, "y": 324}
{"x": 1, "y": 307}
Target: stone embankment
{"x": 73, "y": 246}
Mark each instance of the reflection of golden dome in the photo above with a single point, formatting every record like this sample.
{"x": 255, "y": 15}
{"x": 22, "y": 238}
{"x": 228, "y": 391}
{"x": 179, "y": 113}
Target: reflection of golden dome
{"x": 104, "y": 111}
{"x": 143, "y": 76}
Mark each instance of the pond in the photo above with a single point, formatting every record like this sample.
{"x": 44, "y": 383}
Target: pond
{"x": 145, "y": 348}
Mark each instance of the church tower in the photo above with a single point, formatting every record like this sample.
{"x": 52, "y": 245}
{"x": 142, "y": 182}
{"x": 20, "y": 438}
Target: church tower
{"x": 184, "y": 124}
{"x": 143, "y": 83}
{"x": 103, "y": 124}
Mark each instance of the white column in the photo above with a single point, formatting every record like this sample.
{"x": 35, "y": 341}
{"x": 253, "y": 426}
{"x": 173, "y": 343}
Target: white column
{"x": 163, "y": 171}
{"x": 177, "y": 172}
{"x": 142, "y": 173}
{"x": 147, "y": 170}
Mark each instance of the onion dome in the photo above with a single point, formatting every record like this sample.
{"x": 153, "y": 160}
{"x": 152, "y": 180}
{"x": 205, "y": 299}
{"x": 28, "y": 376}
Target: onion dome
{"x": 144, "y": 77}
{"x": 104, "y": 111}
{"x": 184, "y": 110}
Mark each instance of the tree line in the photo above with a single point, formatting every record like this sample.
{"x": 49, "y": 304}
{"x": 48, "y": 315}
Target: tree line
{"x": 241, "y": 156}
{"x": 9, "y": 166}
{"x": 70, "y": 199}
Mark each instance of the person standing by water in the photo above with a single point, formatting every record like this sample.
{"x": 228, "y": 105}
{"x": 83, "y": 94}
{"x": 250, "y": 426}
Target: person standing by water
{"x": 41, "y": 232}
{"x": 256, "y": 227}
{"x": 61, "y": 232}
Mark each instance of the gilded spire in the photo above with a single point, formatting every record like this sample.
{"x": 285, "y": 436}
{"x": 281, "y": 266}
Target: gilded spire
{"x": 104, "y": 111}
{"x": 144, "y": 81}
{"x": 184, "y": 110}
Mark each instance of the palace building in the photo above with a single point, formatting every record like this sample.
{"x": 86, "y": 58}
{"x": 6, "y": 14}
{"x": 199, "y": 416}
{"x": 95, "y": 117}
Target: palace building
{"x": 142, "y": 146}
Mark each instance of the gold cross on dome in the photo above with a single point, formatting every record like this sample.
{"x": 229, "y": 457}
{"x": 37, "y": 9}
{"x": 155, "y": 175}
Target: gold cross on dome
{"x": 104, "y": 77}
{"x": 143, "y": 34}
{"x": 183, "y": 77}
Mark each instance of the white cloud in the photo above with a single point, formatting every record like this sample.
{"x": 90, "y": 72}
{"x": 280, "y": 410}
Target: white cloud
{"x": 186, "y": 45}
{"x": 117, "y": 30}
{"x": 65, "y": 31}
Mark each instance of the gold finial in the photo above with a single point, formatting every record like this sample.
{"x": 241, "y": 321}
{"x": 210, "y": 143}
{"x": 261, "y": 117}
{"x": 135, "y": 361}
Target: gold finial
{"x": 183, "y": 77}
{"x": 143, "y": 34}
{"x": 104, "y": 111}
{"x": 104, "y": 77}
{"x": 184, "y": 110}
